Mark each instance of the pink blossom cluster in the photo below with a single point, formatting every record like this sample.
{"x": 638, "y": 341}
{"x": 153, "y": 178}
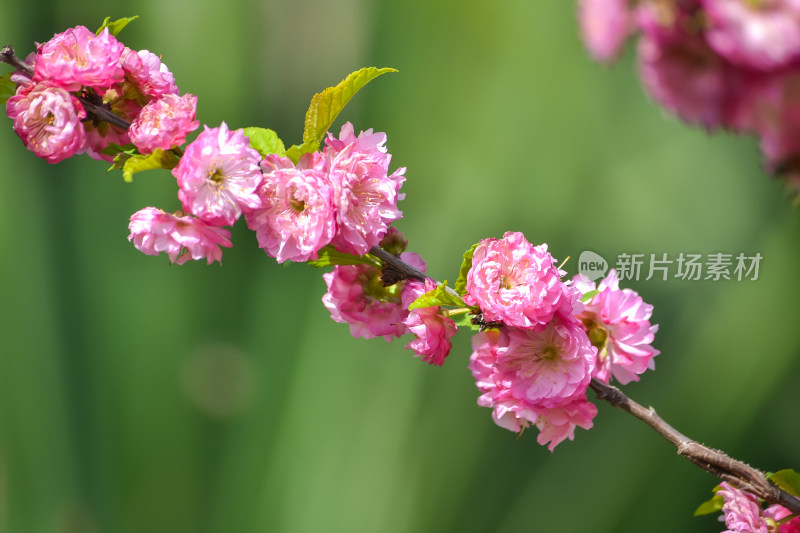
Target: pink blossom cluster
{"x": 217, "y": 179}
{"x": 295, "y": 209}
{"x": 545, "y": 346}
{"x": 343, "y": 196}
{"x": 732, "y": 64}
{"x": 374, "y": 305}
{"x": 77, "y": 65}
{"x": 742, "y": 513}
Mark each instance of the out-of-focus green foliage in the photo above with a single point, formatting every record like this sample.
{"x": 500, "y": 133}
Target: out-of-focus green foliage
{"x": 137, "y": 396}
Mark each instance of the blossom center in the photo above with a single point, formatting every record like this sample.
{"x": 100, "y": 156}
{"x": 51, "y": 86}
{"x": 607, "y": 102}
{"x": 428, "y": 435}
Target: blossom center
{"x": 758, "y": 5}
{"x": 598, "y": 336}
{"x": 550, "y": 353}
{"x": 297, "y": 205}
{"x": 216, "y": 175}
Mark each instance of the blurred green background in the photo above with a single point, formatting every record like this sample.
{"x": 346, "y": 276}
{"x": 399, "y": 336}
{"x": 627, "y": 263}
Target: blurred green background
{"x": 137, "y": 396}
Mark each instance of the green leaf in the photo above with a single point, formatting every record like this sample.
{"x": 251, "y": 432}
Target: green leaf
{"x": 330, "y": 256}
{"x": 295, "y": 151}
{"x": 265, "y": 141}
{"x": 438, "y": 297}
{"x": 714, "y": 505}
{"x": 788, "y": 480}
{"x": 589, "y": 295}
{"x": 120, "y": 154}
{"x": 466, "y": 265}
{"x": 325, "y": 106}
{"x": 7, "y": 88}
{"x": 115, "y": 27}
{"x": 131, "y": 164}
{"x": 113, "y": 149}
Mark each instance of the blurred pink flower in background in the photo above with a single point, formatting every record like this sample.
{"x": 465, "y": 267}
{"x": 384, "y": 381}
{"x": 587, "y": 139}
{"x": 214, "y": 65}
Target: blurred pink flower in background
{"x": 605, "y": 26}
{"x": 728, "y": 64}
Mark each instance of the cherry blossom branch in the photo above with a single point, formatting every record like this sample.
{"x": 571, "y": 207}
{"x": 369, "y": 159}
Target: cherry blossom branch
{"x": 98, "y": 111}
{"x": 405, "y": 270}
{"x": 713, "y": 461}
{"x": 7, "y": 55}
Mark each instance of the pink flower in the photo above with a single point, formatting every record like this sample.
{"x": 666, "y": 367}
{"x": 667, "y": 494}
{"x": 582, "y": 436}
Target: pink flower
{"x": 617, "y": 322}
{"x": 296, "y": 218}
{"x": 164, "y": 123}
{"x": 365, "y": 195}
{"x": 546, "y": 367}
{"x": 48, "y": 120}
{"x": 512, "y": 389}
{"x": 773, "y": 106}
{"x": 558, "y": 423}
{"x": 431, "y": 328}
{"x": 182, "y": 237}
{"x": 148, "y": 74}
{"x": 78, "y": 58}
{"x": 605, "y": 25}
{"x": 762, "y": 35}
{"x": 775, "y": 513}
{"x": 741, "y": 511}
{"x": 218, "y": 176}
{"x": 100, "y": 136}
{"x": 356, "y": 296}
{"x": 689, "y": 79}
{"x": 517, "y": 283}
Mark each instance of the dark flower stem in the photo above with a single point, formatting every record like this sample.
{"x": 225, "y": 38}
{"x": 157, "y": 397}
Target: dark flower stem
{"x": 404, "y": 269}
{"x": 713, "y": 461}
{"x": 98, "y": 112}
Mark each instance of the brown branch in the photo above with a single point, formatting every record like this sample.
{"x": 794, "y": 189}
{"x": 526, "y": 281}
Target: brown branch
{"x": 7, "y": 55}
{"x": 405, "y": 270}
{"x": 96, "y": 111}
{"x": 713, "y": 461}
